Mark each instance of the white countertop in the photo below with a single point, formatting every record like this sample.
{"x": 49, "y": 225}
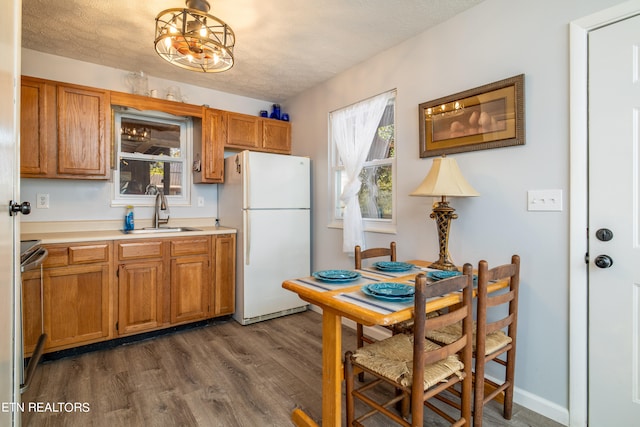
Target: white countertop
{"x": 87, "y": 231}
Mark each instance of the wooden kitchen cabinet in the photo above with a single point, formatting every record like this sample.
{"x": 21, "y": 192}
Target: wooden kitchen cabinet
{"x": 140, "y": 285}
{"x": 76, "y": 301}
{"x": 197, "y": 283}
{"x": 247, "y": 132}
{"x": 191, "y": 282}
{"x": 65, "y": 130}
{"x": 209, "y": 152}
{"x": 32, "y": 325}
{"x": 224, "y": 249}
{"x": 140, "y": 296}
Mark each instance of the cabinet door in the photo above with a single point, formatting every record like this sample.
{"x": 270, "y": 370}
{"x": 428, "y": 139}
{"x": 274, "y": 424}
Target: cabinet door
{"x": 34, "y": 138}
{"x": 225, "y": 274}
{"x": 31, "y": 310}
{"x": 190, "y": 285}
{"x": 214, "y": 135}
{"x": 83, "y": 132}
{"x": 243, "y": 131}
{"x": 276, "y": 136}
{"x": 139, "y": 297}
{"x": 76, "y": 305}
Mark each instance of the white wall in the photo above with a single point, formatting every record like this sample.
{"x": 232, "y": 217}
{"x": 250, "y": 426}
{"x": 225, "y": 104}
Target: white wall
{"x": 72, "y": 200}
{"x": 494, "y": 40}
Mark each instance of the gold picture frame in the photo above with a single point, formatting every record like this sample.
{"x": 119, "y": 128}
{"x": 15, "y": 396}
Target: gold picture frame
{"x": 488, "y": 116}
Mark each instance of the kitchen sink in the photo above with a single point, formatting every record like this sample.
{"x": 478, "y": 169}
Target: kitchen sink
{"x": 152, "y": 230}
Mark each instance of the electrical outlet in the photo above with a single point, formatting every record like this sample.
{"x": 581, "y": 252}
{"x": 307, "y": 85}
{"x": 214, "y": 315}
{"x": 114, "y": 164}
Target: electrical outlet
{"x": 544, "y": 200}
{"x": 42, "y": 201}
{"x": 200, "y": 202}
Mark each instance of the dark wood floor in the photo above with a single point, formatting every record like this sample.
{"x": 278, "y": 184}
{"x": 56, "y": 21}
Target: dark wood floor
{"x": 222, "y": 375}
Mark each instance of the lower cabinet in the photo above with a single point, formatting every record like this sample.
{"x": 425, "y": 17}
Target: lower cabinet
{"x": 96, "y": 291}
{"x": 197, "y": 282}
{"x": 76, "y": 305}
{"x": 140, "y": 297}
{"x": 191, "y": 282}
{"x": 73, "y": 303}
{"x": 224, "y": 300}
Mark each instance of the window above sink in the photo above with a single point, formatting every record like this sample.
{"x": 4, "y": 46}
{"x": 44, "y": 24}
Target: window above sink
{"x": 152, "y": 154}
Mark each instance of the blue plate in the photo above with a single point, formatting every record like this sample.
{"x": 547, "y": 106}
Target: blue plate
{"x": 393, "y": 266}
{"x": 439, "y": 275}
{"x": 336, "y": 276}
{"x": 366, "y": 289}
{"x": 390, "y": 289}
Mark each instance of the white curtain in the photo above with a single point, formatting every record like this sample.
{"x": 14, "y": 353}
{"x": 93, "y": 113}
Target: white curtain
{"x": 353, "y": 130}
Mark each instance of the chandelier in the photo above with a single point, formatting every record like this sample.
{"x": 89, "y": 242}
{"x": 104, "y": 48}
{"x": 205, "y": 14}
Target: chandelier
{"x": 140, "y": 134}
{"x": 192, "y": 39}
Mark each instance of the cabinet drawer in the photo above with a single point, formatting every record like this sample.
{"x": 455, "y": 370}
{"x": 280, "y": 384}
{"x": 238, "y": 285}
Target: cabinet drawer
{"x": 85, "y": 254}
{"x": 60, "y": 256}
{"x": 137, "y": 250}
{"x": 190, "y": 246}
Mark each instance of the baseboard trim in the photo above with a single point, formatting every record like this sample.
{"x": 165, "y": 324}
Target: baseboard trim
{"x": 524, "y": 398}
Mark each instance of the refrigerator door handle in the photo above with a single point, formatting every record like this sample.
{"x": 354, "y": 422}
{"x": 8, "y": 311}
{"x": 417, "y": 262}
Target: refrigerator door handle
{"x": 246, "y": 182}
{"x": 247, "y": 238}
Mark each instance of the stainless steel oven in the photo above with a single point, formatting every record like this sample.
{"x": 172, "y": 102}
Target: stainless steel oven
{"x": 32, "y": 256}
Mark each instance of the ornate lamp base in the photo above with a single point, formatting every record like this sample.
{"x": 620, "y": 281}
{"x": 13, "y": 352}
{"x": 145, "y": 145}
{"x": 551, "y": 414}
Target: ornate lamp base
{"x": 443, "y": 214}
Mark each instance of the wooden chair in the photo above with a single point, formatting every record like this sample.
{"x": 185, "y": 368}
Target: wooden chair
{"x": 390, "y": 252}
{"x": 418, "y": 367}
{"x": 490, "y": 338}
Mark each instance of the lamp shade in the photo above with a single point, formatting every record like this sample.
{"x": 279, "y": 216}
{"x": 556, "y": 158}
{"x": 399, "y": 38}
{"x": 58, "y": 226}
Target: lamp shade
{"x": 445, "y": 179}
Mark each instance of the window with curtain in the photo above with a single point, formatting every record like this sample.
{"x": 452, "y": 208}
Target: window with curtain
{"x": 362, "y": 141}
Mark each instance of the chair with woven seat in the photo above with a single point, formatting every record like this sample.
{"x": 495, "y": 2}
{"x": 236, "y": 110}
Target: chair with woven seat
{"x": 417, "y": 367}
{"x": 496, "y": 312}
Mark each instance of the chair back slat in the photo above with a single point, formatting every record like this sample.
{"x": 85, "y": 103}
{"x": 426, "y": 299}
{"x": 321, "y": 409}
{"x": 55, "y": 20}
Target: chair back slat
{"x": 500, "y": 299}
{"x": 499, "y": 324}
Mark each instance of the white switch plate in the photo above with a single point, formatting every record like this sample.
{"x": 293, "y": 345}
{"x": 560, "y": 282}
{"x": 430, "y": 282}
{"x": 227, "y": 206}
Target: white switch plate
{"x": 544, "y": 200}
{"x": 200, "y": 202}
{"x": 42, "y": 201}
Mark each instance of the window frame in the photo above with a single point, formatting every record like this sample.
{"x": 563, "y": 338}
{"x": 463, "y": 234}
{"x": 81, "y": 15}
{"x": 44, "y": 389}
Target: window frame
{"x": 374, "y": 225}
{"x": 186, "y": 141}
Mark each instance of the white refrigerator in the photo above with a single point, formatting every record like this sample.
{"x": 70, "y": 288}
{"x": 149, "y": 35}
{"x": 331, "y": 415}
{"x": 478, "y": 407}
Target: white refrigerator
{"x": 266, "y": 197}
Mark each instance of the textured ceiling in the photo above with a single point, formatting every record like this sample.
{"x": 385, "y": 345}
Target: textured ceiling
{"x": 283, "y": 47}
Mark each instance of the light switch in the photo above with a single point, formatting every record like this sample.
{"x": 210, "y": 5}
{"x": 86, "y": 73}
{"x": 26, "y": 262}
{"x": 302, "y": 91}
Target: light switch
{"x": 42, "y": 201}
{"x": 200, "y": 202}
{"x": 544, "y": 200}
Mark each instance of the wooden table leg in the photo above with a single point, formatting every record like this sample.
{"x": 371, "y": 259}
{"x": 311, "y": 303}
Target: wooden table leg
{"x": 332, "y": 374}
{"x": 332, "y": 371}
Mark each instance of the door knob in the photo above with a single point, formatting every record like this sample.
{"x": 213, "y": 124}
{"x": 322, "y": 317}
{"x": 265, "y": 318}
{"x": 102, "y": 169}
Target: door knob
{"x": 604, "y": 234}
{"x": 23, "y": 208}
{"x": 603, "y": 261}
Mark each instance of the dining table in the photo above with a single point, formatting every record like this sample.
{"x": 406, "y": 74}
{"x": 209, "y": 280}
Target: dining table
{"x": 351, "y": 299}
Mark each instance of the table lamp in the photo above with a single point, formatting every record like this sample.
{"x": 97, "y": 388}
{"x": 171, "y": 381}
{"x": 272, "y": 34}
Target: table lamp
{"x": 444, "y": 180}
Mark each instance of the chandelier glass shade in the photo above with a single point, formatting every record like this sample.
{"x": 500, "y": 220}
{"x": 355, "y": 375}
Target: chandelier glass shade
{"x": 190, "y": 38}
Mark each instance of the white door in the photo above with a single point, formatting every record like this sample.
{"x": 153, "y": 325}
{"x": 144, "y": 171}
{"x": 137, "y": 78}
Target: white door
{"x": 9, "y": 103}
{"x": 614, "y": 205}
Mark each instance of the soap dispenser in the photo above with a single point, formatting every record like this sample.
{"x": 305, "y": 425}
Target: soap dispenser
{"x": 128, "y": 219}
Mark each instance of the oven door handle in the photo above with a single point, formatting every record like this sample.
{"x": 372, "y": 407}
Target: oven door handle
{"x": 42, "y": 255}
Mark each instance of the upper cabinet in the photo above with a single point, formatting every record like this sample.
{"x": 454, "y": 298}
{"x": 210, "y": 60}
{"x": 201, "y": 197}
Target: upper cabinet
{"x": 208, "y": 148}
{"x": 245, "y": 132}
{"x": 65, "y": 130}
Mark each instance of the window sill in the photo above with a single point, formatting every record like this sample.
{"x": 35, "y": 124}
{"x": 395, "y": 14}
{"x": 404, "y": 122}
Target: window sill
{"x": 382, "y": 228}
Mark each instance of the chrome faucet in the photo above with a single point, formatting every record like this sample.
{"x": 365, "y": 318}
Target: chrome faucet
{"x": 160, "y": 204}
